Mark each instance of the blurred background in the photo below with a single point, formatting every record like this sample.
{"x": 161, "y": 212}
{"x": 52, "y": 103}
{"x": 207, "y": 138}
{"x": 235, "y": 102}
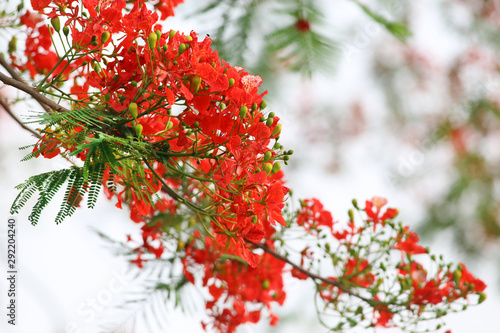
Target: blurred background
{"x": 399, "y": 99}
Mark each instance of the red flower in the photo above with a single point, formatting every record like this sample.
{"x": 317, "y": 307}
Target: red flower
{"x": 409, "y": 245}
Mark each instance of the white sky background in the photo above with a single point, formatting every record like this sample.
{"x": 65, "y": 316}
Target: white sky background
{"x": 63, "y": 267}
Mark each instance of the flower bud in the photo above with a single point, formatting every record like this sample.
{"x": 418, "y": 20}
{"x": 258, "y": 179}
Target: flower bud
{"x": 355, "y": 203}
{"x": 171, "y": 34}
{"x": 243, "y": 111}
{"x": 276, "y": 168}
{"x": 133, "y": 83}
{"x": 457, "y": 276}
{"x": 105, "y": 37}
{"x": 267, "y": 156}
{"x": 169, "y": 125}
{"x": 12, "y": 45}
{"x": 271, "y": 115}
{"x": 351, "y": 215}
{"x": 255, "y": 219}
{"x": 165, "y": 48}
{"x": 482, "y": 298}
{"x": 266, "y": 284}
{"x": 231, "y": 82}
{"x": 254, "y": 107}
{"x": 196, "y": 82}
{"x": 182, "y": 48}
{"x": 276, "y": 130}
{"x": 158, "y": 34}
{"x": 263, "y": 105}
{"x": 138, "y": 130}
{"x": 152, "y": 39}
{"x": 269, "y": 121}
{"x": 56, "y": 23}
{"x": 189, "y": 38}
{"x": 290, "y": 152}
{"x": 267, "y": 167}
{"x": 132, "y": 108}
{"x": 66, "y": 30}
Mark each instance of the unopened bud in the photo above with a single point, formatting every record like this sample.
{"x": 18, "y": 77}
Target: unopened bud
{"x": 277, "y": 130}
{"x": 269, "y": 121}
{"x": 105, "y": 37}
{"x": 12, "y": 45}
{"x": 276, "y": 167}
{"x": 255, "y": 219}
{"x": 66, "y": 30}
{"x": 267, "y": 156}
{"x": 138, "y": 130}
{"x": 196, "y": 82}
{"x": 266, "y": 284}
{"x": 231, "y": 82}
{"x": 355, "y": 203}
{"x": 158, "y": 34}
{"x": 169, "y": 125}
{"x": 182, "y": 48}
{"x": 189, "y": 38}
{"x": 133, "y": 83}
{"x": 267, "y": 167}
{"x": 132, "y": 108}
{"x": 165, "y": 48}
{"x": 263, "y": 105}
{"x": 152, "y": 39}
{"x": 482, "y": 298}
{"x": 171, "y": 34}
{"x": 271, "y": 115}
{"x": 457, "y": 276}
{"x": 56, "y": 23}
{"x": 351, "y": 215}
{"x": 254, "y": 107}
{"x": 243, "y": 111}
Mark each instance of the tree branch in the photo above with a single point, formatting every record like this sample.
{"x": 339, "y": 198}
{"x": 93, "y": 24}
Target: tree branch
{"x": 18, "y": 77}
{"x": 33, "y": 93}
{"x": 308, "y": 273}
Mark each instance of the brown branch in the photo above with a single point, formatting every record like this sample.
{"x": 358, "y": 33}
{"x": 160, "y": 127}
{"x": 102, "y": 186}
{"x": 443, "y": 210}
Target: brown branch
{"x": 308, "y": 273}
{"x": 18, "y": 77}
{"x": 7, "y": 108}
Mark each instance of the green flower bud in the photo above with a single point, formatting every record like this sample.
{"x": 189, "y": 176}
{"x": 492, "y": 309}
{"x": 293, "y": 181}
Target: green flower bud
{"x": 351, "y": 215}
{"x": 107, "y": 97}
{"x": 269, "y": 121}
{"x": 243, "y": 111}
{"x": 231, "y": 82}
{"x": 262, "y": 119}
{"x": 85, "y": 63}
{"x": 196, "y": 82}
{"x": 255, "y": 219}
{"x": 152, "y": 39}
{"x": 66, "y": 30}
{"x": 267, "y": 156}
{"x": 105, "y": 37}
{"x": 482, "y": 298}
{"x": 271, "y": 115}
{"x": 355, "y": 203}
{"x": 276, "y": 130}
{"x": 266, "y": 284}
{"x": 12, "y": 45}
{"x": 133, "y": 83}
{"x": 56, "y": 23}
{"x": 93, "y": 39}
{"x": 132, "y": 108}
{"x": 138, "y": 130}
{"x": 189, "y": 38}
{"x": 254, "y": 107}
{"x": 263, "y": 105}
{"x": 267, "y": 167}
{"x": 182, "y": 48}
{"x": 276, "y": 168}
{"x": 457, "y": 276}
{"x": 171, "y": 34}
{"x": 97, "y": 67}
{"x": 169, "y": 125}
{"x": 290, "y": 152}
{"x": 222, "y": 106}
{"x": 165, "y": 48}
{"x": 158, "y": 34}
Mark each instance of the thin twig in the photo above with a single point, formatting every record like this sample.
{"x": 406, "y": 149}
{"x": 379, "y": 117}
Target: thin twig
{"x": 308, "y": 273}
{"x": 7, "y": 108}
